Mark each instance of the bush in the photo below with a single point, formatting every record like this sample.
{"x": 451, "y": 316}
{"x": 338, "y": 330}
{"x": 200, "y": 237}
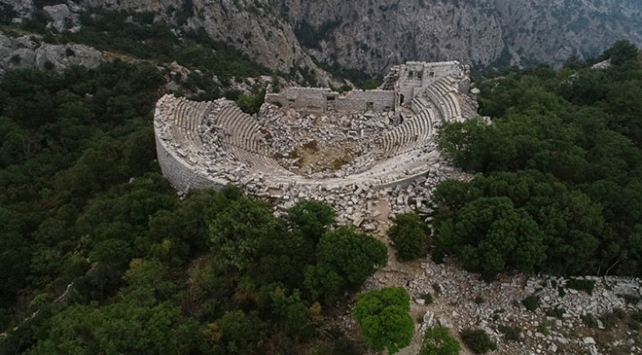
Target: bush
{"x": 609, "y": 320}
{"x": 542, "y": 329}
{"x": 629, "y": 299}
{"x": 589, "y": 320}
{"x": 557, "y": 312}
{"x": 637, "y": 316}
{"x": 619, "y": 313}
{"x": 477, "y": 341}
{"x": 511, "y": 333}
{"x": 479, "y": 300}
{"x": 427, "y": 297}
{"x": 251, "y": 104}
{"x": 437, "y": 341}
{"x": 409, "y": 236}
{"x": 531, "y": 303}
{"x": 581, "y": 285}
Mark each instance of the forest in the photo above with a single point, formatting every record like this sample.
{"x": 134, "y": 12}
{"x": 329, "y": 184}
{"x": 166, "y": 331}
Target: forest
{"x": 558, "y": 172}
{"x": 100, "y": 254}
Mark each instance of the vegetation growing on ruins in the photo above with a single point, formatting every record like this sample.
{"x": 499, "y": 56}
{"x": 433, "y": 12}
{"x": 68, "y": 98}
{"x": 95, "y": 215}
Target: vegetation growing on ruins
{"x": 100, "y": 254}
{"x": 558, "y": 188}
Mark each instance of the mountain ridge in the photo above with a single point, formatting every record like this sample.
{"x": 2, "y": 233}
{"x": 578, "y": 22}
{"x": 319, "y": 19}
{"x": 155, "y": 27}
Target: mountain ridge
{"x": 372, "y": 36}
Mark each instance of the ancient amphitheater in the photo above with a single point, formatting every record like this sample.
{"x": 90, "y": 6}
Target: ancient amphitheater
{"x": 351, "y": 150}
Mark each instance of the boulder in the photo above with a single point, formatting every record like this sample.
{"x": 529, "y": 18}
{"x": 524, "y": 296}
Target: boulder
{"x": 59, "y": 15}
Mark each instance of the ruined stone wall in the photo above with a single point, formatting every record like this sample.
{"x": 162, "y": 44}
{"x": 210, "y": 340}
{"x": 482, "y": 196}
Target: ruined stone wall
{"x": 359, "y": 100}
{"x": 182, "y": 176}
{"x": 301, "y": 98}
{"x": 415, "y": 77}
{"x": 317, "y": 99}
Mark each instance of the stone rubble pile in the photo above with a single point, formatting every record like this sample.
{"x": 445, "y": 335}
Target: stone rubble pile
{"x": 357, "y": 132}
{"x": 463, "y": 300}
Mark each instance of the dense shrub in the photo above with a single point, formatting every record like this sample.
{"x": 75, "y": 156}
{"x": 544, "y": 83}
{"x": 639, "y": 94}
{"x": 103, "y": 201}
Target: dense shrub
{"x": 437, "y": 341}
{"x": 531, "y": 303}
{"x": 408, "y": 233}
{"x": 477, "y": 341}
{"x": 581, "y": 285}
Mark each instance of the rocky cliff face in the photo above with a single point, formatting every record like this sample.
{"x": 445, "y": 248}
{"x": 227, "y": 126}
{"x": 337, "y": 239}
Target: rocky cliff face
{"x": 254, "y": 26}
{"x": 372, "y": 35}
{"x": 377, "y": 33}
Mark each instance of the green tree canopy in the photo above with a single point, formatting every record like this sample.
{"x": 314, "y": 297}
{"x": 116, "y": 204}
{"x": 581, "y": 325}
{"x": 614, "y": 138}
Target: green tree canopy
{"x": 237, "y": 231}
{"x": 345, "y": 259}
{"x": 312, "y": 218}
{"x": 491, "y": 235}
{"x": 384, "y": 318}
{"x": 409, "y": 236}
{"x": 437, "y": 341}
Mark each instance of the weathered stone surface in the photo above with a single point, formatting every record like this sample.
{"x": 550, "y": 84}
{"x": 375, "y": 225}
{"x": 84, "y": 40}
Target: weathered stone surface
{"x": 22, "y": 9}
{"x": 22, "y": 52}
{"x": 59, "y": 15}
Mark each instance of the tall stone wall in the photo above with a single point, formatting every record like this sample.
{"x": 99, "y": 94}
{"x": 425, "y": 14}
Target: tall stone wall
{"x": 301, "y": 98}
{"x": 414, "y": 77}
{"x": 359, "y": 100}
{"x": 323, "y": 99}
{"x": 182, "y": 176}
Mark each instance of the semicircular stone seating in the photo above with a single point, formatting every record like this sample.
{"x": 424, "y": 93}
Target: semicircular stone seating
{"x": 210, "y": 144}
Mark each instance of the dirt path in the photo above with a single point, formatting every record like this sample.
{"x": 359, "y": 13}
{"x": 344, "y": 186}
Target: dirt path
{"x": 400, "y": 275}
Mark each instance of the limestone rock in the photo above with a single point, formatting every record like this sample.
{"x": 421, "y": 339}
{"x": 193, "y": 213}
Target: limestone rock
{"x": 59, "y": 15}
{"x": 22, "y": 52}
{"x": 20, "y": 9}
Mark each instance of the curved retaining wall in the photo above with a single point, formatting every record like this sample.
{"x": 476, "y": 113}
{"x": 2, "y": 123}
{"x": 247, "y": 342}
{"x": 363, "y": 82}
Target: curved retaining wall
{"x": 179, "y": 173}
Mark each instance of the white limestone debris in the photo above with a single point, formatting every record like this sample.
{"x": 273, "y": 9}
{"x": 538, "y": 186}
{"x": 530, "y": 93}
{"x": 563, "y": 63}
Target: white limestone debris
{"x": 348, "y": 150}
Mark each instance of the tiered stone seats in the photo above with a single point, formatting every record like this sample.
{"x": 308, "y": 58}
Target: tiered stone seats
{"x": 241, "y": 130}
{"x": 413, "y": 133}
{"x": 259, "y": 162}
{"x": 188, "y": 117}
{"x": 441, "y": 93}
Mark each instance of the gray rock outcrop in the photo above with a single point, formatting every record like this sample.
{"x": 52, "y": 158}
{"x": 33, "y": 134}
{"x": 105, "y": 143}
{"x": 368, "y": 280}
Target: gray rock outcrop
{"x": 60, "y": 16}
{"x": 24, "y": 52}
{"x": 19, "y": 9}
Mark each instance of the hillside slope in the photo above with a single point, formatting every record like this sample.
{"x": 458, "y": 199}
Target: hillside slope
{"x": 283, "y": 34}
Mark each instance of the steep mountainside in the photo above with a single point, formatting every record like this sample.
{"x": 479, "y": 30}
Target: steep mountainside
{"x": 478, "y": 32}
{"x": 372, "y": 35}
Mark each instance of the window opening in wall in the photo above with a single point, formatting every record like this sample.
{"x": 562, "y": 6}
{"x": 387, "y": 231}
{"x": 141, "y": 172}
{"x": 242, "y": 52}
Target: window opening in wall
{"x": 411, "y": 74}
{"x": 369, "y": 106}
{"x": 432, "y": 74}
{"x": 401, "y": 98}
{"x": 330, "y": 104}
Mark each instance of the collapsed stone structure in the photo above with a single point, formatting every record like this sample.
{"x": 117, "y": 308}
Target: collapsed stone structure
{"x": 380, "y": 142}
